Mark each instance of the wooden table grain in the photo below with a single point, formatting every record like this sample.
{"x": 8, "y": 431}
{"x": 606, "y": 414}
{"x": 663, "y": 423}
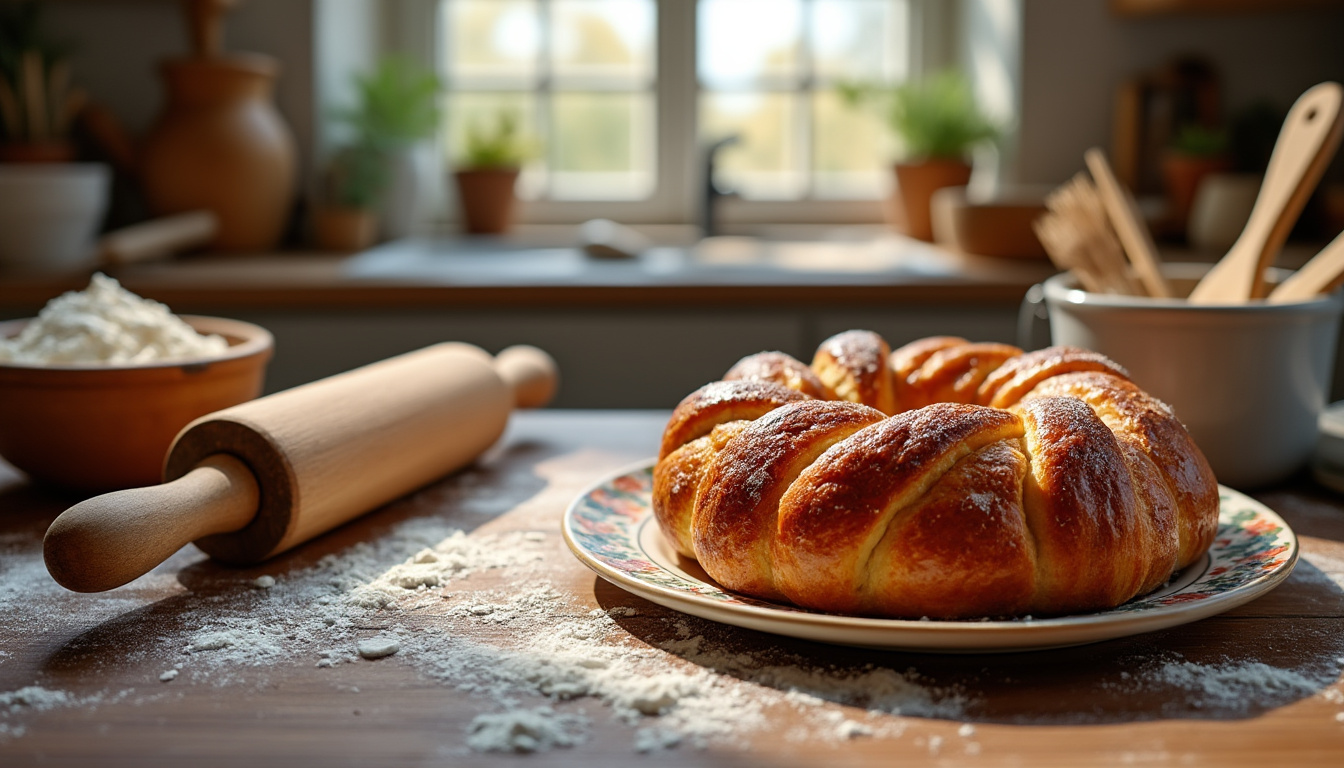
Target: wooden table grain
{"x": 1082, "y": 706}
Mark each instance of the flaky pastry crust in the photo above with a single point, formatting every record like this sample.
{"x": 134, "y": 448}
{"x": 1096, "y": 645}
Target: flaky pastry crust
{"x": 1005, "y": 484}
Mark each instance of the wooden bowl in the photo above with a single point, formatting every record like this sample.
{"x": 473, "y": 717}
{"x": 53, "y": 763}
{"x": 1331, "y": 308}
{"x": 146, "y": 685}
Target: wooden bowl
{"x": 1000, "y": 228}
{"x": 97, "y": 428}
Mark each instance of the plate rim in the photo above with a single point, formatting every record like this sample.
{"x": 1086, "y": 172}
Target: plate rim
{"x": 1092, "y": 627}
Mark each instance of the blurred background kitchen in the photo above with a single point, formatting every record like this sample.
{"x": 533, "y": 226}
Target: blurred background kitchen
{"x": 648, "y": 189}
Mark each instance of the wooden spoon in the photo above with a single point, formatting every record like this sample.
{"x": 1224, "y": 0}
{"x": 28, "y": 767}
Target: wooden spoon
{"x": 1323, "y": 274}
{"x": 1308, "y": 140}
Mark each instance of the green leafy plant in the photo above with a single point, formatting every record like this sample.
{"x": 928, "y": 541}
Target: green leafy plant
{"x": 1195, "y": 140}
{"x": 500, "y": 145}
{"x": 357, "y": 176}
{"x": 37, "y": 101}
{"x": 935, "y": 118}
{"x": 397, "y": 104}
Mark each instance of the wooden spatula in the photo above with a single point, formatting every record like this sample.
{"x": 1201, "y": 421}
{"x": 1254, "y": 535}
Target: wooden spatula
{"x": 1308, "y": 140}
{"x": 1323, "y": 274}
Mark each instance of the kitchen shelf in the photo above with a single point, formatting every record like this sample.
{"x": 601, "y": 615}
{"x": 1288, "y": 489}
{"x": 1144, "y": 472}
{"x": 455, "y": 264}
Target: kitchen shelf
{"x": 1142, "y": 8}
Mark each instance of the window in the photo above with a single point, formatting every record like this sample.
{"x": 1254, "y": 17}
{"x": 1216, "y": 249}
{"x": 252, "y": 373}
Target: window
{"x": 623, "y": 95}
{"x": 768, "y": 71}
{"x": 580, "y": 77}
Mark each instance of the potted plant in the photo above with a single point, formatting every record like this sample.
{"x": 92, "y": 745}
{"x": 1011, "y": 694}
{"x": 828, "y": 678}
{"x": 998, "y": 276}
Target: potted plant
{"x": 487, "y": 172}
{"x": 1196, "y": 151}
{"x": 937, "y": 122}
{"x": 355, "y": 181}
{"x": 50, "y": 206}
{"x": 396, "y": 110}
{"x": 38, "y": 103}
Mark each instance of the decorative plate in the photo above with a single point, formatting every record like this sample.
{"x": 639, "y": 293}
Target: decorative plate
{"x": 611, "y": 529}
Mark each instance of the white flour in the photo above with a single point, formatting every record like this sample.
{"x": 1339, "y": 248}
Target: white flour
{"x": 106, "y": 323}
{"x": 525, "y": 730}
{"x": 475, "y": 613}
{"x": 1235, "y": 686}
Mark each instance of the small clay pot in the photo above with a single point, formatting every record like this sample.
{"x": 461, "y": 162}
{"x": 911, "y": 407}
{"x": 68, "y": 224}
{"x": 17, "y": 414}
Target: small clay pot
{"x": 339, "y": 228}
{"x": 1182, "y": 175}
{"x": 487, "y": 199}
{"x": 97, "y": 428}
{"x": 915, "y": 185}
{"x": 1000, "y": 227}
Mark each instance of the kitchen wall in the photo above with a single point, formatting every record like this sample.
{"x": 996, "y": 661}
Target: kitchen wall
{"x": 1075, "y": 53}
{"x": 1056, "y": 63}
{"x": 118, "y": 44}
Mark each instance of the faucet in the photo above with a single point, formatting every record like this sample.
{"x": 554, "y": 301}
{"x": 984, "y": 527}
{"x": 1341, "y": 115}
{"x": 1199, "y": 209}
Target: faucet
{"x": 708, "y": 220}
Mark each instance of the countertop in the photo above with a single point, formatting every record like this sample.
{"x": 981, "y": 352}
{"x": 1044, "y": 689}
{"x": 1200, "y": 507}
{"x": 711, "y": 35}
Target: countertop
{"x": 533, "y": 271}
{"x": 270, "y": 676}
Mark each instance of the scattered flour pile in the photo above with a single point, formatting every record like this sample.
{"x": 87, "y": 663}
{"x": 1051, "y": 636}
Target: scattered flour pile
{"x": 476, "y": 613}
{"x": 35, "y": 698}
{"x": 106, "y": 324}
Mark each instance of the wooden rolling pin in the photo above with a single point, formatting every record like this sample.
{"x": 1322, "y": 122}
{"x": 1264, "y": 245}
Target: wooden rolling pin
{"x": 249, "y": 482}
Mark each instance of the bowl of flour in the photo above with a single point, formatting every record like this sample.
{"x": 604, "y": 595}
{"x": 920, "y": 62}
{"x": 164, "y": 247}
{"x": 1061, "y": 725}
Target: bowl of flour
{"x": 94, "y": 389}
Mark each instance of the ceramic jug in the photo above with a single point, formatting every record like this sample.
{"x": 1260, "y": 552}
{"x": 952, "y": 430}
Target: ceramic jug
{"x": 221, "y": 145}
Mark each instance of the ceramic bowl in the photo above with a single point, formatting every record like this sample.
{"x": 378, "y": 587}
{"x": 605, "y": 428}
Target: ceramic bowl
{"x": 49, "y": 214}
{"x": 99, "y": 428}
{"x": 1248, "y": 380}
{"x": 1001, "y": 227}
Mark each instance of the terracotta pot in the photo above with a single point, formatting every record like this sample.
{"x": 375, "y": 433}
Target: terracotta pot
{"x": 1001, "y": 227}
{"x": 337, "y": 228}
{"x": 220, "y": 145}
{"x": 101, "y": 428}
{"x": 487, "y": 199}
{"x": 915, "y": 185}
{"x": 1182, "y": 175}
{"x": 37, "y": 152}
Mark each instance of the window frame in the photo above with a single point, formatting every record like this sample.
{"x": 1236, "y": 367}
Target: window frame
{"x": 412, "y": 27}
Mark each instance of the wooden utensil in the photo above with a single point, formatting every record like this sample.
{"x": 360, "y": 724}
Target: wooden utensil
{"x": 1323, "y": 274}
{"x": 157, "y": 238}
{"x": 1129, "y": 227}
{"x": 1308, "y": 140}
{"x": 252, "y": 481}
{"x": 1078, "y": 237}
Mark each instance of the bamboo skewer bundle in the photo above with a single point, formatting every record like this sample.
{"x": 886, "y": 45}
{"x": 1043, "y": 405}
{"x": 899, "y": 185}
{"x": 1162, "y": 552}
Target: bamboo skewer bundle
{"x": 1078, "y": 236}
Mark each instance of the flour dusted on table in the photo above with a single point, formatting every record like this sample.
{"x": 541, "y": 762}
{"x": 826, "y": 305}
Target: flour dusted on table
{"x": 476, "y": 613}
{"x": 106, "y": 324}
{"x": 525, "y": 730}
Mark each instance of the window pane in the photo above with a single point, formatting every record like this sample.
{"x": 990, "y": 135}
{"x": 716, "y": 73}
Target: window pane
{"x": 851, "y": 150}
{"x": 859, "y": 39}
{"x": 602, "y": 146}
{"x": 607, "y": 40}
{"x": 481, "y": 111}
{"x": 765, "y": 164}
{"x": 749, "y": 41}
{"x": 493, "y": 40}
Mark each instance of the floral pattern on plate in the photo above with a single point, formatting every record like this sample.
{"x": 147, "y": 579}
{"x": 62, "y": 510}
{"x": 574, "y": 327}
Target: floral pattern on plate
{"x": 606, "y": 528}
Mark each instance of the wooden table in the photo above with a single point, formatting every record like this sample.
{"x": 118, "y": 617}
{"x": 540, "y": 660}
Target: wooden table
{"x": 1096, "y": 704}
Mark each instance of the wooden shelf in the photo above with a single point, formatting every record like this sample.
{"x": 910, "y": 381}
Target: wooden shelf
{"x": 1141, "y": 8}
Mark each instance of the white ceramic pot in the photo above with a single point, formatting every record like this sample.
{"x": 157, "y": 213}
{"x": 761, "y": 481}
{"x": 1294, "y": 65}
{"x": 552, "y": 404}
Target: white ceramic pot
{"x": 410, "y": 181}
{"x": 50, "y": 214}
{"x": 1248, "y": 380}
{"x": 1221, "y": 208}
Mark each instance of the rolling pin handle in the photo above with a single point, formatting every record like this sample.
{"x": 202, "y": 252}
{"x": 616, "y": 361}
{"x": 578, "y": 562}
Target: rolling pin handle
{"x": 110, "y": 540}
{"x": 530, "y": 373}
